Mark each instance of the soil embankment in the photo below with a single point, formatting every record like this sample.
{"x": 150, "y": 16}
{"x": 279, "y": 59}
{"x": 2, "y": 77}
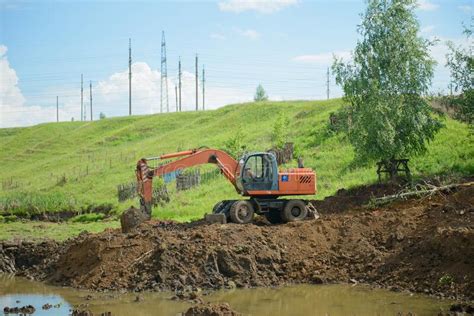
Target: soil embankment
{"x": 421, "y": 245}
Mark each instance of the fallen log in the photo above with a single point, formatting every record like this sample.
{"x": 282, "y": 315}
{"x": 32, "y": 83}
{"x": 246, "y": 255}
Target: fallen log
{"x": 418, "y": 193}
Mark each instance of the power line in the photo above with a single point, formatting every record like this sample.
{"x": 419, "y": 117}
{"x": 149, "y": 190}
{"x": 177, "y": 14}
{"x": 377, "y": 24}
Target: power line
{"x": 82, "y": 97}
{"x": 203, "y": 89}
{"x": 197, "y": 85}
{"x": 164, "y": 75}
{"x": 90, "y": 92}
{"x": 327, "y": 84}
{"x": 179, "y": 76}
{"x": 176, "y": 96}
{"x": 129, "y": 76}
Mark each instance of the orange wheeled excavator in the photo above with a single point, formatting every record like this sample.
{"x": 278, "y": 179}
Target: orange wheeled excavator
{"x": 255, "y": 175}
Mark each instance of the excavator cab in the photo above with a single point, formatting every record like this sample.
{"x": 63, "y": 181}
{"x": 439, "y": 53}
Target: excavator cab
{"x": 258, "y": 172}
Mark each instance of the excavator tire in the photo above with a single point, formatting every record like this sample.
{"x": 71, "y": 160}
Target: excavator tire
{"x": 222, "y": 207}
{"x": 241, "y": 212}
{"x": 274, "y": 217}
{"x": 294, "y": 210}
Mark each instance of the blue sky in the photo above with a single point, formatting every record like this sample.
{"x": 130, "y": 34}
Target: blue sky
{"x": 286, "y": 45}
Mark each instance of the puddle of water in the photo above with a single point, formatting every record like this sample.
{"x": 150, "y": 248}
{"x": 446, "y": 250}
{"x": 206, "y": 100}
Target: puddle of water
{"x": 334, "y": 300}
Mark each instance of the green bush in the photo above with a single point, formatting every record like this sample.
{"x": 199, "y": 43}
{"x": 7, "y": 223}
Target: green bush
{"x": 446, "y": 280}
{"x": 235, "y": 145}
{"x": 280, "y": 131}
{"x": 27, "y": 203}
{"x": 339, "y": 121}
{"x": 9, "y": 218}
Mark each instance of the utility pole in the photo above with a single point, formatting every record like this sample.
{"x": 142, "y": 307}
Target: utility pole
{"x": 327, "y": 84}
{"x": 203, "y": 89}
{"x": 164, "y": 75}
{"x": 129, "y": 76}
{"x": 90, "y": 94}
{"x": 197, "y": 79}
{"x": 57, "y": 109}
{"x": 82, "y": 98}
{"x": 179, "y": 76}
{"x": 176, "y": 96}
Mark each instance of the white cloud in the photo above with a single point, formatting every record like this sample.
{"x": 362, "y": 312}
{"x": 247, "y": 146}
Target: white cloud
{"x": 426, "y": 5}
{"x": 465, "y": 8}
{"x": 427, "y": 29}
{"x": 217, "y": 36}
{"x": 249, "y": 33}
{"x": 323, "y": 58}
{"x": 261, "y": 6}
{"x": 13, "y": 111}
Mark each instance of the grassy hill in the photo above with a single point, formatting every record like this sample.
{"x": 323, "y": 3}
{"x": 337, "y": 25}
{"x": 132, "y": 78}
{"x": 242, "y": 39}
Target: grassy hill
{"x": 57, "y": 166}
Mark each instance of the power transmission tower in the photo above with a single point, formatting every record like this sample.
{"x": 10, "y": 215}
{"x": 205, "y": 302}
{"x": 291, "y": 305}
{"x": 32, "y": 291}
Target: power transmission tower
{"x": 179, "y": 83}
{"x": 129, "y": 76}
{"x": 90, "y": 94}
{"x": 57, "y": 109}
{"x": 327, "y": 84}
{"x": 203, "y": 89}
{"x": 176, "y": 96}
{"x": 164, "y": 75}
{"x": 197, "y": 80}
{"x": 82, "y": 98}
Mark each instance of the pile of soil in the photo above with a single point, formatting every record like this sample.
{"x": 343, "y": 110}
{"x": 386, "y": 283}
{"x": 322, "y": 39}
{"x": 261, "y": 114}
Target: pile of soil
{"x": 421, "y": 245}
{"x": 208, "y": 309}
{"x": 347, "y": 199}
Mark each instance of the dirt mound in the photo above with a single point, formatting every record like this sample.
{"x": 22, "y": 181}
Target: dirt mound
{"x": 347, "y": 199}
{"x": 209, "y": 309}
{"x": 424, "y": 245}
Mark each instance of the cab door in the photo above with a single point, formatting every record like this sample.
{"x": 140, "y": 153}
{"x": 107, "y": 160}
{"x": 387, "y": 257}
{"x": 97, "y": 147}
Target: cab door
{"x": 258, "y": 173}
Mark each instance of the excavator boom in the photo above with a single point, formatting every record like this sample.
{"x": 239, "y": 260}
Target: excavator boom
{"x": 189, "y": 158}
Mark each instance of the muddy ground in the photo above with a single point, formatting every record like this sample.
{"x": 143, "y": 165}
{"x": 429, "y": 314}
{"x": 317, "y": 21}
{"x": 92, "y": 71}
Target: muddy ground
{"x": 421, "y": 245}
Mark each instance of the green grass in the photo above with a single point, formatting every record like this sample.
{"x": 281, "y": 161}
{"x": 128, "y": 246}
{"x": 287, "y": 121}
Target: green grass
{"x": 59, "y": 166}
{"x": 58, "y": 231}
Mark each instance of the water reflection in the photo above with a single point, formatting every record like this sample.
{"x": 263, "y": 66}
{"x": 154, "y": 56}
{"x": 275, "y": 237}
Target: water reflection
{"x": 304, "y": 300}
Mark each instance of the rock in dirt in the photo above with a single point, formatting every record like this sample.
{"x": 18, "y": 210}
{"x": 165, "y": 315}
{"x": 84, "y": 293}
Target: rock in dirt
{"x": 79, "y": 312}
{"x": 24, "y": 310}
{"x": 208, "y": 309}
{"x": 131, "y": 218}
{"x": 7, "y": 264}
{"x": 47, "y": 306}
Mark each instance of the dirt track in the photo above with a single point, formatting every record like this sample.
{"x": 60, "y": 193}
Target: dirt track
{"x": 424, "y": 245}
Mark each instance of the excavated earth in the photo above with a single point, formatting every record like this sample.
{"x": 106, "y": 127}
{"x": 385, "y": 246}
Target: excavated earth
{"x": 420, "y": 245}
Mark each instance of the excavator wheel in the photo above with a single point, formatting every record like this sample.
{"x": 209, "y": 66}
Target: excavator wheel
{"x": 274, "y": 217}
{"x": 222, "y": 207}
{"x": 294, "y": 210}
{"x": 241, "y": 212}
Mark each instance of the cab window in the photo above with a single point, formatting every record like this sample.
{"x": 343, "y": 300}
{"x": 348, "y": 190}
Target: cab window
{"x": 253, "y": 168}
{"x": 258, "y": 168}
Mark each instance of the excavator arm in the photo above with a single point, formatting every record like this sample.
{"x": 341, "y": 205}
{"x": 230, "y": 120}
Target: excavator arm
{"x": 189, "y": 158}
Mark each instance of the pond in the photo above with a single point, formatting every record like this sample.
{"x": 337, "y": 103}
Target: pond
{"x": 295, "y": 300}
